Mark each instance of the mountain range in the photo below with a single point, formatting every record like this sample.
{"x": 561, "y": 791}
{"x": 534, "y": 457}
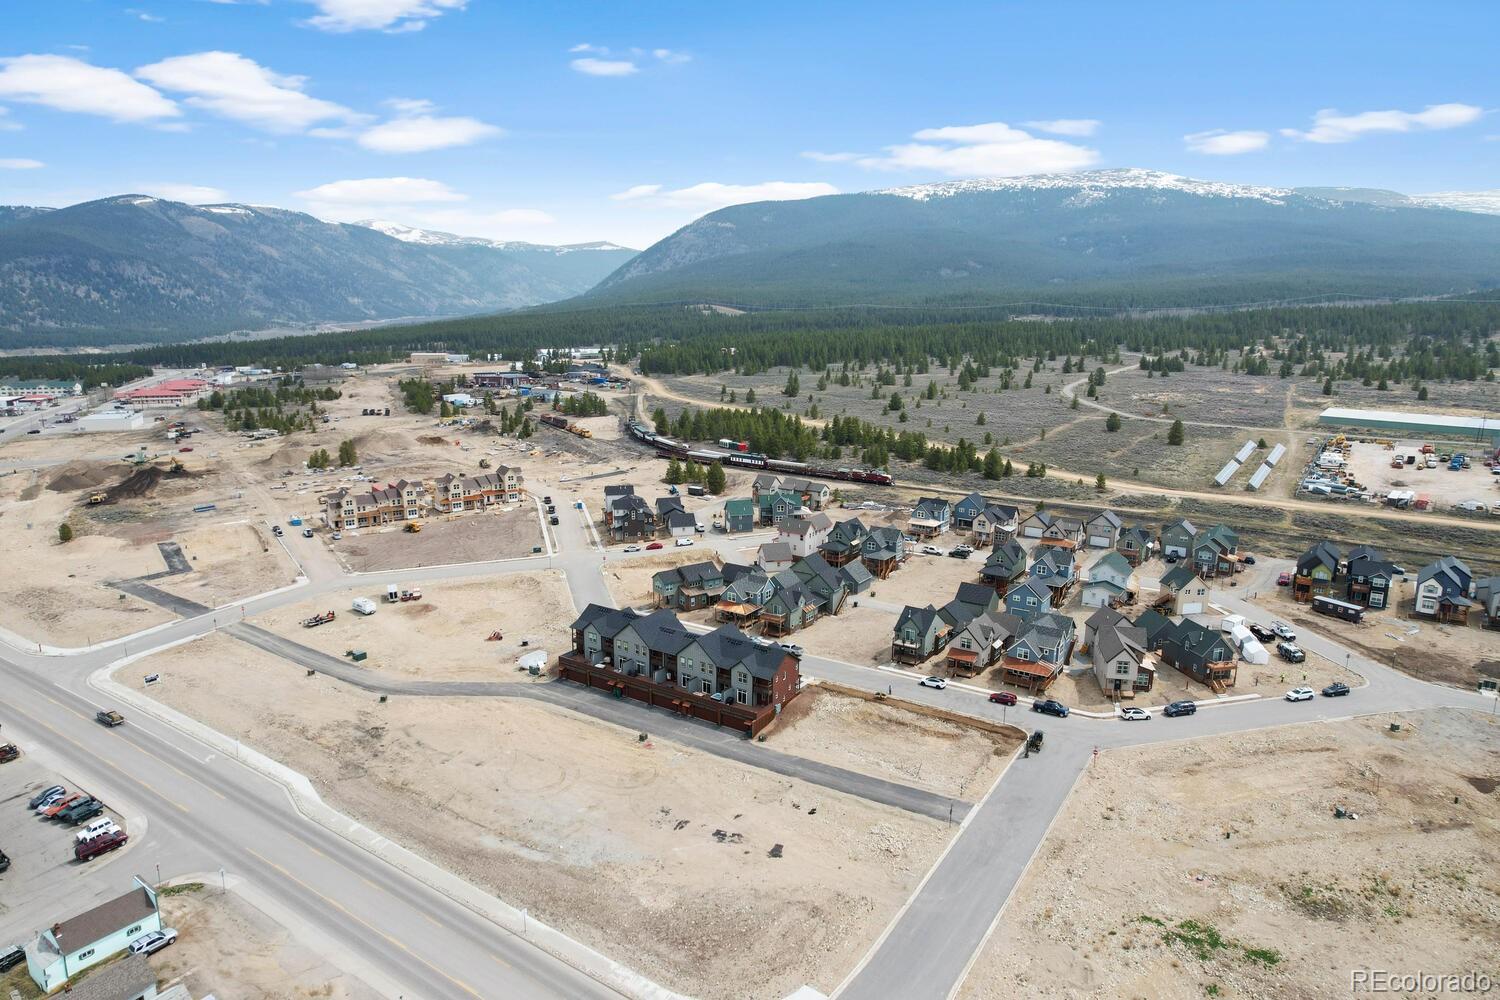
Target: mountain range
{"x": 134, "y": 267}
{"x": 1109, "y": 238}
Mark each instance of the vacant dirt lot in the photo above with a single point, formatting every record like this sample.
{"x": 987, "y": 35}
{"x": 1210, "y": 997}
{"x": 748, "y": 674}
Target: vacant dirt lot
{"x": 476, "y": 536}
{"x": 231, "y": 949}
{"x": 890, "y": 742}
{"x": 1217, "y": 867}
{"x": 444, "y": 635}
{"x": 642, "y": 850}
{"x": 228, "y": 563}
{"x": 629, "y": 576}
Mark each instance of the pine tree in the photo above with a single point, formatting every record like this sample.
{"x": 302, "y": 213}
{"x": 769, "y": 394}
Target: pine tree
{"x": 659, "y": 418}
{"x": 1099, "y": 483}
{"x": 994, "y": 466}
{"x": 64, "y": 533}
{"x": 1175, "y": 434}
{"x": 793, "y": 387}
{"x": 715, "y": 479}
{"x": 750, "y": 396}
{"x": 674, "y": 472}
{"x": 1112, "y": 422}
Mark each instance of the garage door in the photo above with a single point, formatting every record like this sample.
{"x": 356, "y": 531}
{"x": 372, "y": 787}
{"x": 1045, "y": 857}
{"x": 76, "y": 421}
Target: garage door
{"x": 1193, "y": 608}
{"x": 1033, "y": 532}
{"x": 1100, "y": 541}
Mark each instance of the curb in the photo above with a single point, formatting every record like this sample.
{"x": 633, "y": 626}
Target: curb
{"x": 306, "y": 800}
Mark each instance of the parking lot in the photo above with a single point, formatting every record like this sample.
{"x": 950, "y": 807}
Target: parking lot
{"x": 1370, "y": 464}
{"x": 42, "y": 867}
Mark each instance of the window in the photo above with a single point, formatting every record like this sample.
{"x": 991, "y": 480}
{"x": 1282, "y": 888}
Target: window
{"x": 707, "y": 688}
{"x": 1122, "y": 669}
{"x": 684, "y": 680}
{"x": 85, "y": 954}
{"x": 134, "y": 930}
{"x": 740, "y": 697}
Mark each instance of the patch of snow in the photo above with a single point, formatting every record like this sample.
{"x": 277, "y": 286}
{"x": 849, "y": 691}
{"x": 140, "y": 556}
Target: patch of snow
{"x": 1093, "y": 185}
{"x": 429, "y": 237}
{"x": 227, "y": 210}
{"x": 1483, "y": 202}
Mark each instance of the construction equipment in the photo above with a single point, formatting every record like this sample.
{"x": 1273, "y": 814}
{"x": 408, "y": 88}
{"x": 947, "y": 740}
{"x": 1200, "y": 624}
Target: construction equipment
{"x": 412, "y": 527}
{"x": 494, "y": 636}
{"x": 317, "y": 620}
{"x": 138, "y": 457}
{"x": 97, "y": 498}
{"x": 176, "y": 468}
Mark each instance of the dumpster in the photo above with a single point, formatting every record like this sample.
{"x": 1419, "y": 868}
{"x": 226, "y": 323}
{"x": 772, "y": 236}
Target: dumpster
{"x": 357, "y": 655}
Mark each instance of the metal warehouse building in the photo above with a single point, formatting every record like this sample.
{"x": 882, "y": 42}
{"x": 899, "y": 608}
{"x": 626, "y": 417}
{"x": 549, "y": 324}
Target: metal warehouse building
{"x": 1396, "y": 423}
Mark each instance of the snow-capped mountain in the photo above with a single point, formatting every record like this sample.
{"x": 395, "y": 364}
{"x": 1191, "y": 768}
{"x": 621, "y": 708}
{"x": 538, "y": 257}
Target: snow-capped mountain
{"x": 1100, "y": 238}
{"x": 430, "y": 237}
{"x": 1483, "y": 202}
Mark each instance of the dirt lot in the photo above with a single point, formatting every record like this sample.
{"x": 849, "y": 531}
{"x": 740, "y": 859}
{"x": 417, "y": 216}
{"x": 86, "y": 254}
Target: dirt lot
{"x": 629, "y": 577}
{"x": 1448, "y": 654}
{"x": 228, "y": 947}
{"x": 1139, "y": 452}
{"x": 442, "y": 636}
{"x": 890, "y": 742}
{"x": 1216, "y": 867}
{"x": 229, "y": 562}
{"x": 641, "y": 850}
{"x": 1371, "y": 466}
{"x": 475, "y": 536}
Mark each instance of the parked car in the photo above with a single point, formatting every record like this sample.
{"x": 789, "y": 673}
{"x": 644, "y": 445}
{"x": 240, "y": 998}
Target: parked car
{"x": 1003, "y": 697}
{"x": 1290, "y": 652}
{"x": 186, "y": 447}
{"x": 552, "y": 508}
{"x": 1177, "y": 708}
{"x": 653, "y": 546}
{"x": 547, "y": 500}
{"x": 962, "y": 551}
{"x": 1135, "y": 714}
{"x": 1300, "y": 694}
{"x": 88, "y": 850}
{"x": 632, "y": 548}
{"x": 793, "y": 648}
{"x": 51, "y": 809}
{"x": 1170, "y": 560}
{"x": 306, "y": 532}
{"x": 1261, "y": 632}
{"x": 34, "y": 430}
{"x": 552, "y": 520}
{"x": 1336, "y": 689}
{"x": 934, "y": 682}
{"x": 1284, "y": 580}
{"x": 109, "y": 717}
{"x": 1050, "y": 707}
{"x": 931, "y": 550}
{"x": 337, "y": 535}
{"x": 8, "y": 752}
{"x": 276, "y": 530}
{"x": 680, "y": 543}
{"x": 1283, "y": 631}
{"x": 50, "y": 794}
{"x": 80, "y": 811}
{"x": 1249, "y": 560}
{"x": 150, "y": 944}
{"x": 96, "y": 828}
{"x": 12, "y": 956}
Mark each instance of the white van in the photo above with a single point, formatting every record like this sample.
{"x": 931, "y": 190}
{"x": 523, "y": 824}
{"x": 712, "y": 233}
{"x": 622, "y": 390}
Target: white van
{"x": 364, "y": 605}
{"x": 681, "y": 542}
{"x": 97, "y": 828}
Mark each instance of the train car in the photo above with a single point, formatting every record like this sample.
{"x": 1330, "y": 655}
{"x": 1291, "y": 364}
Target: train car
{"x": 553, "y": 420}
{"x": 749, "y": 460}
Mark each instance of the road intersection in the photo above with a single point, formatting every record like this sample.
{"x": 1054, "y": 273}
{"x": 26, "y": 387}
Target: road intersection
{"x": 404, "y": 934}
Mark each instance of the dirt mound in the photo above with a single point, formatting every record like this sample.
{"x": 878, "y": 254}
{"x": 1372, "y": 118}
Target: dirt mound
{"x": 80, "y": 476}
{"x": 431, "y": 439}
{"x": 142, "y": 482}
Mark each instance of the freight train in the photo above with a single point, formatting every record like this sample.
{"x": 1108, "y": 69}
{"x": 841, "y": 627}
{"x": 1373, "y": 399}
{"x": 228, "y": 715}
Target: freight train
{"x": 742, "y": 458}
{"x": 562, "y": 424}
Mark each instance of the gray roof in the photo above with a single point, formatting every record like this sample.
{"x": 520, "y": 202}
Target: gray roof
{"x": 608, "y": 621}
{"x": 681, "y": 519}
{"x": 1105, "y": 618}
{"x": 921, "y": 618}
{"x": 776, "y": 552}
{"x": 1111, "y": 560}
{"x": 1452, "y": 570}
{"x": 1153, "y": 623}
{"x": 1107, "y": 516}
{"x": 855, "y": 576}
{"x": 1111, "y": 642}
{"x": 974, "y": 593}
{"x": 125, "y": 979}
{"x": 692, "y": 573}
{"x": 619, "y": 490}
{"x": 1178, "y": 576}
{"x": 663, "y": 633}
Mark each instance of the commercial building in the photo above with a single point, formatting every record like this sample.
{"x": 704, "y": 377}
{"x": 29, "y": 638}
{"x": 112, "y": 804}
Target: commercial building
{"x": 113, "y": 420}
{"x": 1396, "y": 423}
{"x": 172, "y": 392}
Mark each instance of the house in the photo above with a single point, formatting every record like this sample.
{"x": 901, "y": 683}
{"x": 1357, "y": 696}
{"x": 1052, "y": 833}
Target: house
{"x": 1157, "y": 627}
{"x": 1183, "y": 591}
{"x": 775, "y": 505}
{"x": 1215, "y": 551}
{"x": 805, "y": 533}
{"x": 1200, "y": 652}
{"x": 773, "y": 557}
{"x": 1039, "y": 652}
{"x": 1056, "y": 568}
{"x": 932, "y": 516}
{"x": 982, "y": 641}
{"x": 722, "y": 677}
{"x": 1487, "y": 596}
{"x": 882, "y": 551}
{"x": 674, "y": 518}
{"x": 1102, "y": 531}
{"x": 40, "y": 386}
{"x": 1109, "y": 581}
{"x": 745, "y": 593}
{"x": 843, "y": 542}
{"x": 1317, "y": 571}
{"x": 996, "y": 525}
{"x": 976, "y": 599}
{"x": 1443, "y": 590}
{"x": 966, "y": 510}
{"x": 65, "y": 949}
{"x": 452, "y": 493}
{"x": 919, "y": 633}
{"x": 790, "y": 607}
{"x": 1004, "y": 566}
{"x": 739, "y": 515}
{"x": 1122, "y": 663}
{"x": 1028, "y": 599}
{"x": 1177, "y": 539}
{"x": 1369, "y": 578}
{"x": 629, "y": 516}
{"x": 402, "y": 500}
{"x": 809, "y": 493}
{"x": 1048, "y": 530}
{"x": 830, "y": 586}
{"x": 1136, "y": 544}
{"x": 687, "y": 588}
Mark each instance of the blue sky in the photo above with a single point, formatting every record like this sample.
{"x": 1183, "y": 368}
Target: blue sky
{"x": 562, "y": 122}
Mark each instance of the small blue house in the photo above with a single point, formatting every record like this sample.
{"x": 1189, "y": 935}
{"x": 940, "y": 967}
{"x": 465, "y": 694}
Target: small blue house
{"x": 65, "y": 949}
{"x": 1029, "y": 599}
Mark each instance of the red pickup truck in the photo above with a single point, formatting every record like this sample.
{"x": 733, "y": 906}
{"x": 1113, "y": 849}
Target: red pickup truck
{"x": 88, "y": 850}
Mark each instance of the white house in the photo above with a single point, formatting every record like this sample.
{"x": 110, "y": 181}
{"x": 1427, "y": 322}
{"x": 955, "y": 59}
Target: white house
{"x": 65, "y": 949}
{"x": 1109, "y": 580}
{"x": 804, "y": 532}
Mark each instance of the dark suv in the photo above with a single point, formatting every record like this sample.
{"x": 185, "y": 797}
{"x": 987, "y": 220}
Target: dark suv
{"x": 80, "y": 811}
{"x": 1179, "y": 708}
{"x": 88, "y": 850}
{"x": 1050, "y": 707}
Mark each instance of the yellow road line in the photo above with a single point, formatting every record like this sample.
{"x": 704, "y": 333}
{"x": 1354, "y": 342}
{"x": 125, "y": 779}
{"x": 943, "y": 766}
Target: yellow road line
{"x": 363, "y": 923}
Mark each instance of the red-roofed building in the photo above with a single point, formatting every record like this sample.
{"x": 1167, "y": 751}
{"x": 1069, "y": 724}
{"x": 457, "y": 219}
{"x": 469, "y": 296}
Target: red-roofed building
{"x": 172, "y": 392}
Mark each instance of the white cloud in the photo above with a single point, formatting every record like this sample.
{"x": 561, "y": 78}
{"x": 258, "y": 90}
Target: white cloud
{"x": 586, "y": 47}
{"x": 987, "y": 150}
{"x": 1329, "y": 126}
{"x": 817, "y": 157}
{"x": 393, "y": 16}
{"x": 232, "y": 86}
{"x": 638, "y": 191}
{"x": 21, "y": 164}
{"x": 1067, "y": 126}
{"x": 193, "y": 194}
{"x": 604, "y": 67}
{"x": 145, "y": 15}
{"x": 423, "y": 132}
{"x": 711, "y": 195}
{"x": 1221, "y": 142}
{"x": 382, "y": 191}
{"x": 671, "y": 56}
{"x": 68, "y": 84}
